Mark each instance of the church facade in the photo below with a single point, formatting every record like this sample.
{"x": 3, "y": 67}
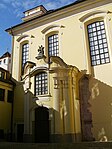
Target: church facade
{"x": 61, "y": 61}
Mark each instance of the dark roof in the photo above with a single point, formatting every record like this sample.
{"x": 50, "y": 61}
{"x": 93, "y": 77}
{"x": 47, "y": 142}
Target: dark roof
{"x": 8, "y": 78}
{"x": 4, "y": 70}
{"x": 47, "y": 13}
{"x": 7, "y": 81}
{"x": 7, "y": 54}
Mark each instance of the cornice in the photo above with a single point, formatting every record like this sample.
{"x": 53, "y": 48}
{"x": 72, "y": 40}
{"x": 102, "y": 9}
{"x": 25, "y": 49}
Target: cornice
{"x": 85, "y": 16}
{"x": 62, "y": 66}
{"x": 56, "y": 13}
{"x": 51, "y": 27}
{"x": 38, "y": 69}
{"x": 21, "y": 37}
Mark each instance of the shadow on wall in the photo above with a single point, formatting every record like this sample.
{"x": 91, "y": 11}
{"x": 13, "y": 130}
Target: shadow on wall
{"x": 42, "y": 120}
{"x": 28, "y": 112}
{"x": 17, "y": 126}
{"x": 101, "y": 108}
{"x": 85, "y": 113}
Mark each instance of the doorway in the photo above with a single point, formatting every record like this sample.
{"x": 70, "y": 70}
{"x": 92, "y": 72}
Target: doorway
{"x": 20, "y": 131}
{"x": 41, "y": 125}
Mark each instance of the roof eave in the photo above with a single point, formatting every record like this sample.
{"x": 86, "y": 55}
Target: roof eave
{"x": 9, "y": 30}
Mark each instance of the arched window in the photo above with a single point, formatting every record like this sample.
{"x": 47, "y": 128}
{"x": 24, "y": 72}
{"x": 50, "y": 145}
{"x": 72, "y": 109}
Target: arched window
{"x": 53, "y": 45}
{"x": 98, "y": 43}
{"x": 25, "y": 53}
{"x": 97, "y": 34}
{"x": 41, "y": 83}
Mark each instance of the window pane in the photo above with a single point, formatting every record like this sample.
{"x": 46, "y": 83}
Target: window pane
{"x": 107, "y": 60}
{"x": 98, "y": 62}
{"x": 98, "y": 43}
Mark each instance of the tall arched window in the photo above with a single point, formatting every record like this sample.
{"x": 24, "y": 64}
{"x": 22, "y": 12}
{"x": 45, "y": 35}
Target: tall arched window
{"x": 41, "y": 83}
{"x": 98, "y": 43}
{"x": 25, "y": 53}
{"x": 53, "y": 45}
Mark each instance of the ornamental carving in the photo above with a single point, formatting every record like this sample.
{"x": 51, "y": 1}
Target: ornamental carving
{"x": 60, "y": 83}
{"x": 40, "y": 52}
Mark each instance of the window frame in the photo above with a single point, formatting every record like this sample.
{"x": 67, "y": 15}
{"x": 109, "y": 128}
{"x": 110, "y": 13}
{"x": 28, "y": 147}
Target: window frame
{"x": 2, "y": 97}
{"x": 53, "y": 45}
{"x": 2, "y": 75}
{"x": 4, "y": 61}
{"x": 10, "y": 96}
{"x": 25, "y": 53}
{"x": 96, "y": 56}
{"x": 41, "y": 85}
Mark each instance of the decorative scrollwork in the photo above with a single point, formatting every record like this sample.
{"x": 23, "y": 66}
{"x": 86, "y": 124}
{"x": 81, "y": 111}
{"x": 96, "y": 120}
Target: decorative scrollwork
{"x": 40, "y": 52}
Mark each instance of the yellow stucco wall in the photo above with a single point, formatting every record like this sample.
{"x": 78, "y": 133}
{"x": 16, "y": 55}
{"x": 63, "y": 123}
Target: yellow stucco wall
{"x": 72, "y": 44}
{"x": 73, "y": 48}
{"x": 18, "y": 111}
{"x": 101, "y": 108}
{"x": 5, "y": 109}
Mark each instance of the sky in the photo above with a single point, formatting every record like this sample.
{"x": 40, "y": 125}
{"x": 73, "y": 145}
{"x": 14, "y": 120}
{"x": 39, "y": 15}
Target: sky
{"x": 11, "y": 12}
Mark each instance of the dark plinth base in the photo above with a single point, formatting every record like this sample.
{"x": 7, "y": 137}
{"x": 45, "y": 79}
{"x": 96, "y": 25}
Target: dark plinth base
{"x": 55, "y": 138}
